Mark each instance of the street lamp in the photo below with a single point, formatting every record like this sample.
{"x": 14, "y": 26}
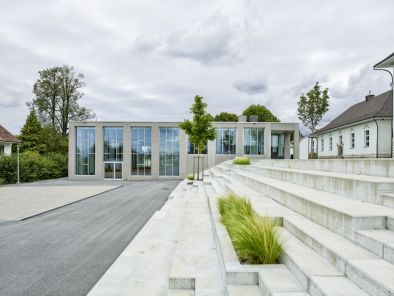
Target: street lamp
{"x": 388, "y": 63}
{"x": 17, "y": 164}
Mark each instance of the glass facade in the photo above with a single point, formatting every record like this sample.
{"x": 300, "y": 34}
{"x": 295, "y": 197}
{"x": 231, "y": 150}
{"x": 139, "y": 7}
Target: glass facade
{"x": 254, "y": 141}
{"x": 277, "y": 146}
{"x": 169, "y": 151}
{"x": 225, "y": 140}
{"x": 85, "y": 150}
{"x": 141, "y": 157}
{"x": 113, "y": 144}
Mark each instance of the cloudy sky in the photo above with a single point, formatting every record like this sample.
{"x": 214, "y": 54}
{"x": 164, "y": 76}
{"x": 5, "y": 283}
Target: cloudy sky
{"x": 146, "y": 60}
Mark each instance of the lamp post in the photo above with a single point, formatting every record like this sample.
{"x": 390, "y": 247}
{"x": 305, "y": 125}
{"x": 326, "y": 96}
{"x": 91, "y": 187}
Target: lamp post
{"x": 17, "y": 165}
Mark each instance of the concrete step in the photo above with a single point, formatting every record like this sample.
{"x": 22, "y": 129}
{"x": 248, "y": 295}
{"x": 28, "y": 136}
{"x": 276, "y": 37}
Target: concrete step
{"x": 181, "y": 293}
{"x": 195, "y": 263}
{"x": 380, "y": 242}
{"x": 243, "y": 290}
{"x": 366, "y": 188}
{"x": 386, "y": 199}
{"x": 335, "y": 286}
{"x": 369, "y": 167}
{"x": 337, "y": 213}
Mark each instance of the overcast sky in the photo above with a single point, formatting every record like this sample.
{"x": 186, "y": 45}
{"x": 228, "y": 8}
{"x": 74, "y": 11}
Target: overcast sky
{"x": 146, "y": 60}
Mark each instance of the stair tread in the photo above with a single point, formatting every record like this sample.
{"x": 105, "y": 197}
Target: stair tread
{"x": 351, "y": 207}
{"x": 242, "y": 290}
{"x": 337, "y": 286}
{"x": 382, "y": 235}
{"x": 365, "y": 178}
{"x": 305, "y": 258}
{"x": 288, "y": 283}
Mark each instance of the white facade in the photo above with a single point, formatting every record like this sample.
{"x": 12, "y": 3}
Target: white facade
{"x": 369, "y": 138}
{"x": 5, "y": 148}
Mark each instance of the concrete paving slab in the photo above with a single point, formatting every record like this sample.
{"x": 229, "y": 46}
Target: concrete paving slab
{"x": 21, "y": 202}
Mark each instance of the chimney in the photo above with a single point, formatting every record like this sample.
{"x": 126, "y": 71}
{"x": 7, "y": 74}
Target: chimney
{"x": 369, "y": 96}
{"x": 253, "y": 118}
{"x": 242, "y": 118}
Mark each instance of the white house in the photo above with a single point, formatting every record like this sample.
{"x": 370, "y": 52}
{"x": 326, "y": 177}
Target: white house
{"x": 363, "y": 130}
{"x": 6, "y": 141}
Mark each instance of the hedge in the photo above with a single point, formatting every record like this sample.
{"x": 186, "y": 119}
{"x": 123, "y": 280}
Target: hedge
{"x": 33, "y": 167}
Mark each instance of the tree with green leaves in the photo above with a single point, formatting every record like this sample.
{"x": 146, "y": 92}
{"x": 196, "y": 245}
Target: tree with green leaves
{"x": 226, "y": 117}
{"x": 264, "y": 115}
{"x": 200, "y": 129}
{"x": 31, "y": 134}
{"x": 313, "y": 106}
{"x": 57, "y": 94}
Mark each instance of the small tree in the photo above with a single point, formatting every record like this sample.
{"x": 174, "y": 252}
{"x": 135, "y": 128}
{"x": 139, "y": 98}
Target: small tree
{"x": 262, "y": 112}
{"x": 200, "y": 129}
{"x": 313, "y": 106}
{"x": 226, "y": 117}
{"x": 31, "y": 134}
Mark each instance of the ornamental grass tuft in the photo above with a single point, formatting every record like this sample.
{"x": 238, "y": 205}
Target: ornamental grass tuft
{"x": 190, "y": 177}
{"x": 255, "y": 238}
{"x": 241, "y": 160}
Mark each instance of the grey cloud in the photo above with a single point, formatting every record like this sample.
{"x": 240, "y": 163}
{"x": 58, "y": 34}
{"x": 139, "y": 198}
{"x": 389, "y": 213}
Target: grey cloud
{"x": 251, "y": 87}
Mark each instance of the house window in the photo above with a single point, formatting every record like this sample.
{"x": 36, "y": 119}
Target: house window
{"x": 141, "y": 160}
{"x": 225, "y": 140}
{"x": 1, "y": 149}
{"x": 85, "y": 150}
{"x": 191, "y": 150}
{"x": 352, "y": 141}
{"x": 113, "y": 144}
{"x": 340, "y": 140}
{"x": 254, "y": 141}
{"x": 322, "y": 144}
{"x": 366, "y": 138}
{"x": 169, "y": 151}
{"x": 330, "y": 143}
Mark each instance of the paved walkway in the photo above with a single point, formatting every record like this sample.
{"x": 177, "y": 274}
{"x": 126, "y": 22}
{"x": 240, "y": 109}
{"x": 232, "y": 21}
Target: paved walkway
{"x": 66, "y": 251}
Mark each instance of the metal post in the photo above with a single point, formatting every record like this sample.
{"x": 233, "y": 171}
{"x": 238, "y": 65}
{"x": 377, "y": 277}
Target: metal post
{"x": 17, "y": 165}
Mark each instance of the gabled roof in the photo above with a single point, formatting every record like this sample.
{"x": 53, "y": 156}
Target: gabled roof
{"x": 377, "y": 106}
{"x": 6, "y": 136}
{"x": 386, "y": 63}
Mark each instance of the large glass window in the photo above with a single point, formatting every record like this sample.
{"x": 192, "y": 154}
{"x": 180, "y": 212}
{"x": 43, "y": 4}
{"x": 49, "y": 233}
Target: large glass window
{"x": 85, "y": 150}
{"x": 113, "y": 144}
{"x": 141, "y": 157}
{"x": 169, "y": 151}
{"x": 225, "y": 140}
{"x": 254, "y": 141}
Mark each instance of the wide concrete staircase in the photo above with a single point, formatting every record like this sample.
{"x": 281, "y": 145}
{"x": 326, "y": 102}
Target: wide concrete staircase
{"x": 337, "y": 220}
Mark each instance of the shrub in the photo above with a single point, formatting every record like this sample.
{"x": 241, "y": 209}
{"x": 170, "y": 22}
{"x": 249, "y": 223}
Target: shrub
{"x": 190, "y": 177}
{"x": 242, "y": 160}
{"x": 255, "y": 238}
{"x": 33, "y": 167}
{"x": 312, "y": 155}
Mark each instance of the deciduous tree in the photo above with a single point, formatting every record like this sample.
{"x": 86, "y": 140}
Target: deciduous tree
{"x": 226, "y": 117}
{"x": 264, "y": 115}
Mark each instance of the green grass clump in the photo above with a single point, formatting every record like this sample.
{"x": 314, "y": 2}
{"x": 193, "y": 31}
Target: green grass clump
{"x": 242, "y": 160}
{"x": 190, "y": 177}
{"x": 255, "y": 238}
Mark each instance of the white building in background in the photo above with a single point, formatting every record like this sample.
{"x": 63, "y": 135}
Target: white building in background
{"x": 6, "y": 141}
{"x": 363, "y": 130}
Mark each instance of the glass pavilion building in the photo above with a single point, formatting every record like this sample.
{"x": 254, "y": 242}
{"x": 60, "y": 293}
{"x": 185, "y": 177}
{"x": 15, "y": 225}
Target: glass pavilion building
{"x": 152, "y": 150}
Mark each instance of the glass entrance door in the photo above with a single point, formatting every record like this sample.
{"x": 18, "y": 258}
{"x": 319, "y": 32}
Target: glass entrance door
{"x": 277, "y": 146}
{"x": 113, "y": 170}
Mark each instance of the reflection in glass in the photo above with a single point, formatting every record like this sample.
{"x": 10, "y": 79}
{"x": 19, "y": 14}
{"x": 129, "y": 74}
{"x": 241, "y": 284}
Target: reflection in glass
{"x": 141, "y": 158}
{"x": 254, "y": 141}
{"x": 85, "y": 150}
{"x": 169, "y": 151}
{"x": 225, "y": 140}
{"x": 113, "y": 143}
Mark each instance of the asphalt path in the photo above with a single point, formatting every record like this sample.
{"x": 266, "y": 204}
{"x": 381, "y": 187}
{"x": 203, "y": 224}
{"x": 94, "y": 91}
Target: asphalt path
{"x": 67, "y": 250}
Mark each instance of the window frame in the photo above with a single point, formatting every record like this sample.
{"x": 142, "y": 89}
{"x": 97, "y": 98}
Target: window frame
{"x": 87, "y": 137}
{"x": 366, "y": 138}
{"x": 352, "y": 140}
{"x": 231, "y": 142}
{"x": 259, "y": 143}
{"x": 146, "y": 155}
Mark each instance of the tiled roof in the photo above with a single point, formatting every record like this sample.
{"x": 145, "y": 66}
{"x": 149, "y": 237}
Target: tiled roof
{"x": 6, "y": 136}
{"x": 378, "y": 106}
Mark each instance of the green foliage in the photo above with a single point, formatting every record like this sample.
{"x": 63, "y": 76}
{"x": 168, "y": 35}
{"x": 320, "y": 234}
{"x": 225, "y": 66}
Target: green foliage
{"x": 226, "y": 117}
{"x": 313, "y": 106}
{"x": 57, "y": 98}
{"x": 33, "y": 167}
{"x": 200, "y": 129}
{"x": 242, "y": 160}
{"x": 31, "y": 134}
{"x": 190, "y": 177}
{"x": 262, "y": 112}
{"x": 312, "y": 155}
{"x": 255, "y": 238}
{"x": 54, "y": 141}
